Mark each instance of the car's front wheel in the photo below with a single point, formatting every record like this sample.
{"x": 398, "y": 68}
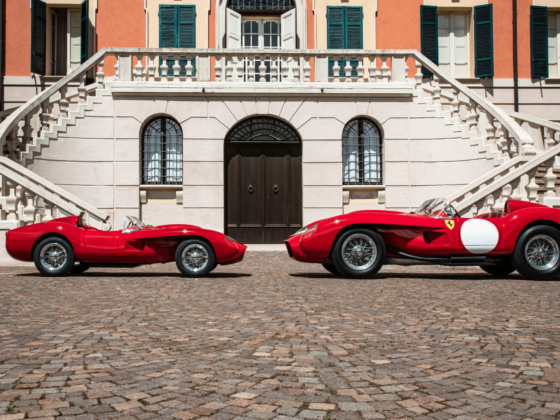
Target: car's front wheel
{"x": 53, "y": 257}
{"x": 331, "y": 269}
{"x": 195, "y": 258}
{"x": 537, "y": 253}
{"x": 80, "y": 268}
{"x": 359, "y": 253}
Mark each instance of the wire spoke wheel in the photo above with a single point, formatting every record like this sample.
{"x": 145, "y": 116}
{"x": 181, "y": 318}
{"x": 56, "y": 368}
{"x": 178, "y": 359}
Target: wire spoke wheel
{"x": 542, "y": 252}
{"x": 359, "y": 252}
{"x": 195, "y": 257}
{"x": 53, "y": 256}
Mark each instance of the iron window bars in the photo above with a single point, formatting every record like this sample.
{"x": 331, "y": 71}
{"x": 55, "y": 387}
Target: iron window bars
{"x": 263, "y": 129}
{"x": 162, "y": 153}
{"x": 260, "y": 5}
{"x": 361, "y": 153}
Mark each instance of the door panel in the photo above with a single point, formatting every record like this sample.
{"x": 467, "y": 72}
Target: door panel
{"x": 101, "y": 246}
{"x": 263, "y": 216}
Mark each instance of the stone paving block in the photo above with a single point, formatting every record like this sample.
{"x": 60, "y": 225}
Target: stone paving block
{"x": 312, "y": 414}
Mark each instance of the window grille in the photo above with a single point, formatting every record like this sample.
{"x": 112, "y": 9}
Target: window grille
{"x": 258, "y": 5}
{"x": 263, "y": 129}
{"x": 162, "y": 153}
{"x": 362, "y": 153}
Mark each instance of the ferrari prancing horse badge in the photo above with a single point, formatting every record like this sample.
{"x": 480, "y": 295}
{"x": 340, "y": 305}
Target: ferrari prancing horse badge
{"x": 450, "y": 224}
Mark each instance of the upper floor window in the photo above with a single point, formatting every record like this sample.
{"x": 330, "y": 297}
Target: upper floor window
{"x": 453, "y": 38}
{"x": 270, "y": 6}
{"x": 361, "y": 153}
{"x": 177, "y": 29}
{"x": 162, "y": 152}
{"x": 553, "y": 43}
{"x": 344, "y": 31}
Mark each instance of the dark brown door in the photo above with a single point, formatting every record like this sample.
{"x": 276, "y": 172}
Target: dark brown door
{"x": 263, "y": 192}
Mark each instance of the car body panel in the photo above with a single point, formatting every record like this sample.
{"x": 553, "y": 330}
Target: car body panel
{"x": 419, "y": 235}
{"x": 146, "y": 246}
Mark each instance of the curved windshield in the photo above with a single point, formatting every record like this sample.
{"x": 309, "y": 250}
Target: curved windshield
{"x": 132, "y": 224}
{"x": 437, "y": 207}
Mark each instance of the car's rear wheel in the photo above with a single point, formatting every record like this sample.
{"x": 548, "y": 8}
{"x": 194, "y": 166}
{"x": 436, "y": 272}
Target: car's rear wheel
{"x": 80, "y": 268}
{"x": 500, "y": 270}
{"x": 53, "y": 257}
{"x": 359, "y": 253}
{"x": 537, "y": 253}
{"x": 331, "y": 269}
{"x": 195, "y": 258}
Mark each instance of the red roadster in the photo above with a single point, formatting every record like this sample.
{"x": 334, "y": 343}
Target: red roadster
{"x": 67, "y": 245}
{"x": 524, "y": 237}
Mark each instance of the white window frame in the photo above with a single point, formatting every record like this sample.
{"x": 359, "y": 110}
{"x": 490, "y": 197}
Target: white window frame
{"x": 557, "y": 75}
{"x": 261, "y": 20}
{"x": 68, "y": 38}
{"x": 54, "y": 41}
{"x": 452, "y": 41}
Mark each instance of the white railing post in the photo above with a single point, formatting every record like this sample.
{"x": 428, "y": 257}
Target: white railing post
{"x": 384, "y": 69}
{"x": 532, "y": 187}
{"x": 176, "y": 69}
{"x": 251, "y": 68}
{"x": 139, "y": 68}
{"x": 49, "y": 211}
{"x": 164, "y": 69}
{"x": 550, "y": 179}
{"x": 63, "y": 103}
{"x": 12, "y": 199}
{"x": 336, "y": 69}
{"x": 218, "y": 68}
{"x": 30, "y": 209}
{"x": 82, "y": 90}
{"x": 240, "y": 68}
{"x": 189, "y": 68}
{"x": 285, "y": 70}
{"x": 418, "y": 76}
{"x": 274, "y": 68}
{"x": 455, "y": 107}
{"x": 262, "y": 69}
{"x": 296, "y": 69}
{"x": 372, "y": 69}
{"x": 100, "y": 76}
{"x": 348, "y": 69}
{"x": 151, "y": 67}
{"x": 307, "y": 69}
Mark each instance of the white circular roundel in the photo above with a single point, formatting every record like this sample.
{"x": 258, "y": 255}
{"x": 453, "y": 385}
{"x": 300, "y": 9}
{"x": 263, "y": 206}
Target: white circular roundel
{"x": 479, "y": 236}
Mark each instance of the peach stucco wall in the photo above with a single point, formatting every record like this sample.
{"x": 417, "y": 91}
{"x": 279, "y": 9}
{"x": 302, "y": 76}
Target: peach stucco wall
{"x": 18, "y": 38}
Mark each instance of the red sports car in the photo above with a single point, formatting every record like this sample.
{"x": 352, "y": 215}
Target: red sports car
{"x": 524, "y": 237}
{"x": 67, "y": 245}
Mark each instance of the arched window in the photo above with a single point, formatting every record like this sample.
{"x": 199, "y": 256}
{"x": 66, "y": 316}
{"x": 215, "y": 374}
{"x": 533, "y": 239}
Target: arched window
{"x": 269, "y": 6}
{"x": 162, "y": 152}
{"x": 263, "y": 129}
{"x": 362, "y": 153}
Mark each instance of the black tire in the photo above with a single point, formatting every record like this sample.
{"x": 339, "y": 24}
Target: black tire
{"x": 501, "y": 270}
{"x": 331, "y": 269}
{"x": 80, "y": 268}
{"x": 53, "y": 257}
{"x": 538, "y": 266}
{"x": 202, "y": 254}
{"x": 361, "y": 237}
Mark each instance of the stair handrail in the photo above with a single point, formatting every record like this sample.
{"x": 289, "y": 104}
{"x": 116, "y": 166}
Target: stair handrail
{"x": 534, "y": 120}
{"x": 49, "y": 191}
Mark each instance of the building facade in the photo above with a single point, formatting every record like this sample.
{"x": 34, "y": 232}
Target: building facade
{"x": 255, "y": 117}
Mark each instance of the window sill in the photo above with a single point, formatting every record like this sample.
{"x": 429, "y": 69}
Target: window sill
{"x": 469, "y": 79}
{"x": 363, "y": 187}
{"x": 161, "y": 187}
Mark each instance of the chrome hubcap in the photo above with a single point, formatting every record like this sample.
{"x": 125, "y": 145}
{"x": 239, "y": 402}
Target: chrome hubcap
{"x": 53, "y": 256}
{"x": 359, "y": 252}
{"x": 542, "y": 252}
{"x": 195, "y": 257}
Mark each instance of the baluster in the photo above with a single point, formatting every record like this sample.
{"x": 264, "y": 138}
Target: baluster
{"x": 49, "y": 211}
{"x": 139, "y": 68}
{"x": 512, "y": 147}
{"x": 45, "y": 115}
{"x": 12, "y": 143}
{"x": 100, "y": 76}
{"x": 384, "y": 69}
{"x": 285, "y": 70}
{"x": 336, "y": 70}
{"x": 12, "y": 199}
{"x": 418, "y": 76}
{"x": 550, "y": 142}
{"x": 63, "y": 103}
{"x": 218, "y": 68}
{"x": 240, "y": 68}
{"x": 151, "y": 67}
{"x": 30, "y": 209}
{"x": 164, "y": 69}
{"x": 436, "y": 96}
{"x": 372, "y": 70}
{"x": 176, "y": 70}
{"x": 504, "y": 195}
{"x": 82, "y": 90}
{"x": 116, "y": 66}
{"x": 296, "y": 69}
{"x": 360, "y": 69}
{"x": 455, "y": 105}
{"x": 229, "y": 69}
{"x": 27, "y": 137}
{"x": 274, "y": 68}
{"x": 501, "y": 139}
{"x": 307, "y": 69}
{"x": 348, "y": 69}
{"x": 251, "y": 68}
{"x": 472, "y": 117}
{"x": 532, "y": 188}
{"x": 490, "y": 130}
{"x": 406, "y": 69}
{"x": 550, "y": 179}
{"x": 189, "y": 68}
{"x": 489, "y": 202}
{"x": 516, "y": 193}
{"x": 262, "y": 69}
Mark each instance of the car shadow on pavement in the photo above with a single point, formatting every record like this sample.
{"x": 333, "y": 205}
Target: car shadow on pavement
{"x": 105, "y": 274}
{"x": 424, "y": 276}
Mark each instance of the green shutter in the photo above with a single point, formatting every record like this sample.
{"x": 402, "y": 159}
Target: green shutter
{"x": 539, "y": 41}
{"x": 177, "y": 29}
{"x": 429, "y": 35}
{"x": 483, "y": 41}
{"x": 84, "y": 45}
{"x": 38, "y": 37}
{"x": 344, "y": 31}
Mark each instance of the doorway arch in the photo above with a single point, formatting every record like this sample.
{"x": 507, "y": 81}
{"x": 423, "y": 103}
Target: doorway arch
{"x": 263, "y": 181}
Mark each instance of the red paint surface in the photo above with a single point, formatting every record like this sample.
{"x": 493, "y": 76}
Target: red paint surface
{"x": 406, "y": 232}
{"x": 120, "y": 24}
{"x": 149, "y": 245}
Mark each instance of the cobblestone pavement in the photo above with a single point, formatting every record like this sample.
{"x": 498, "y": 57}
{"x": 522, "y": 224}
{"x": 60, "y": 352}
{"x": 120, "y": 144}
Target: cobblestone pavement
{"x": 271, "y": 338}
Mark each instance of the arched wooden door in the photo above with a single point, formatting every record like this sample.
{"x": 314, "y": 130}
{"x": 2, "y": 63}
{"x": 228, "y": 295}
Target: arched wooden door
{"x": 263, "y": 181}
